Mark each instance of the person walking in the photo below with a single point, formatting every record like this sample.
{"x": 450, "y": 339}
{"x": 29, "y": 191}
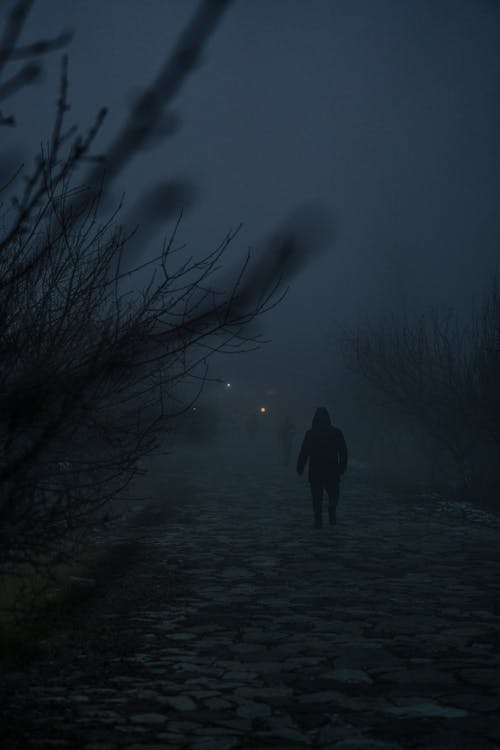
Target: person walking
{"x": 252, "y": 425}
{"x": 325, "y": 449}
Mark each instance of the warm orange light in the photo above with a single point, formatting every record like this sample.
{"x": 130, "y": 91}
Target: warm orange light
{"x": 263, "y": 409}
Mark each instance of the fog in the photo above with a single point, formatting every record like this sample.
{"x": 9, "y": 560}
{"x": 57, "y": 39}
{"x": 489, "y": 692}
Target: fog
{"x": 249, "y": 373}
{"x": 384, "y": 116}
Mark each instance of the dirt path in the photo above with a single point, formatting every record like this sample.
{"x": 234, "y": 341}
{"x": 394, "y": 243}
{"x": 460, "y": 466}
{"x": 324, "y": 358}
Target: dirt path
{"x": 240, "y": 626}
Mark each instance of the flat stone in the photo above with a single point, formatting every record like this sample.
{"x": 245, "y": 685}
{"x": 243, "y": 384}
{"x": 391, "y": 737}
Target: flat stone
{"x": 490, "y": 677}
{"x": 427, "y": 709}
{"x": 237, "y": 725}
{"x": 243, "y": 677}
{"x": 172, "y": 738}
{"x": 199, "y": 694}
{"x": 183, "y": 636}
{"x": 217, "y": 704}
{"x": 268, "y": 693}
{"x": 183, "y": 727}
{"x": 144, "y": 694}
{"x": 152, "y": 719}
{"x": 50, "y": 742}
{"x": 211, "y": 731}
{"x": 267, "y": 667}
{"x": 245, "y": 648}
{"x": 237, "y": 573}
{"x": 180, "y": 702}
{"x": 286, "y": 733}
{"x": 216, "y": 743}
{"x": 102, "y": 715}
{"x": 302, "y": 661}
{"x": 325, "y": 696}
{"x": 364, "y": 743}
{"x": 367, "y": 658}
{"x": 476, "y": 702}
{"x": 253, "y": 710}
{"x": 354, "y": 676}
{"x": 334, "y": 731}
{"x": 420, "y": 676}
{"x": 242, "y": 590}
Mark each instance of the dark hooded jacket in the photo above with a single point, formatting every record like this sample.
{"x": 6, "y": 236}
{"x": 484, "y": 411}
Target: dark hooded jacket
{"x": 325, "y": 448}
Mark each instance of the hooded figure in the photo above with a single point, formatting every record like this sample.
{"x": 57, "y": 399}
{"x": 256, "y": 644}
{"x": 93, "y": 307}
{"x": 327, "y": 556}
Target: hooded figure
{"x": 324, "y": 446}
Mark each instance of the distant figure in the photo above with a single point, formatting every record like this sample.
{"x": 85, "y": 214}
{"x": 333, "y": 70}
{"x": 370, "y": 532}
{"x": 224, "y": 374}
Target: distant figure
{"x": 325, "y": 447}
{"x": 286, "y": 433}
{"x": 252, "y": 424}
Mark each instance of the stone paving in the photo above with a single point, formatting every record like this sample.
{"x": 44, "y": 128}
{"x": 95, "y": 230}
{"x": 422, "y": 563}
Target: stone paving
{"x": 379, "y": 633}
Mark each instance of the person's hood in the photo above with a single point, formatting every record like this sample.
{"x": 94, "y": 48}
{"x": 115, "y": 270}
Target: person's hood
{"x": 321, "y": 419}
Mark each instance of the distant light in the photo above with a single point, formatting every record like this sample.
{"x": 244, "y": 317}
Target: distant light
{"x": 228, "y": 385}
{"x": 263, "y": 409}
{"x": 194, "y": 408}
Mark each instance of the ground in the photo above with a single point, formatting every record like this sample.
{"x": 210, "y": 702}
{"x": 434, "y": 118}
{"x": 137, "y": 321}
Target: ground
{"x": 235, "y": 624}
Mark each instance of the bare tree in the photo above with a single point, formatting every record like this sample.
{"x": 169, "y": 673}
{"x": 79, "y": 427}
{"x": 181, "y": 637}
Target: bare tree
{"x": 93, "y": 365}
{"x": 487, "y": 364}
{"x": 443, "y": 378}
{"x": 424, "y": 368}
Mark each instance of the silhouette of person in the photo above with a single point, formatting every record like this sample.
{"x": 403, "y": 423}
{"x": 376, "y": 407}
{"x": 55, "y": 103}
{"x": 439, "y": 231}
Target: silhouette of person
{"x": 252, "y": 424}
{"x": 286, "y": 434}
{"x": 325, "y": 448}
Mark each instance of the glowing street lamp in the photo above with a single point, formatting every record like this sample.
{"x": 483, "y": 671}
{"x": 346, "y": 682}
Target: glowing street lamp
{"x": 263, "y": 410}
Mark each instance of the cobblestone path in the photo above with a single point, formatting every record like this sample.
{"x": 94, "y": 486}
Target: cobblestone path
{"x": 379, "y": 633}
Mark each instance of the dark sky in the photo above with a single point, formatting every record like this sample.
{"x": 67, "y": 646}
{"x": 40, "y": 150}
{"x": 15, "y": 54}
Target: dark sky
{"x": 384, "y": 113}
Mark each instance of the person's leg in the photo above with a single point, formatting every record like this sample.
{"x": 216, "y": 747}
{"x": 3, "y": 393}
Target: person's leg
{"x": 332, "y": 490}
{"x": 317, "y": 501}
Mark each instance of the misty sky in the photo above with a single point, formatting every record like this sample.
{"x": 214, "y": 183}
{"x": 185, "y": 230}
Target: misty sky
{"x": 384, "y": 113}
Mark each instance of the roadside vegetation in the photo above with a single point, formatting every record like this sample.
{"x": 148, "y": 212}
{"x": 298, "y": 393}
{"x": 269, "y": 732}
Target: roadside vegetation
{"x": 105, "y": 338}
{"x": 435, "y": 396}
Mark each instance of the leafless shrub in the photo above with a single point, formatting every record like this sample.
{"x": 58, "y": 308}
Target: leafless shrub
{"x": 91, "y": 366}
{"x": 94, "y": 363}
{"x": 443, "y": 378}
{"x": 487, "y": 364}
